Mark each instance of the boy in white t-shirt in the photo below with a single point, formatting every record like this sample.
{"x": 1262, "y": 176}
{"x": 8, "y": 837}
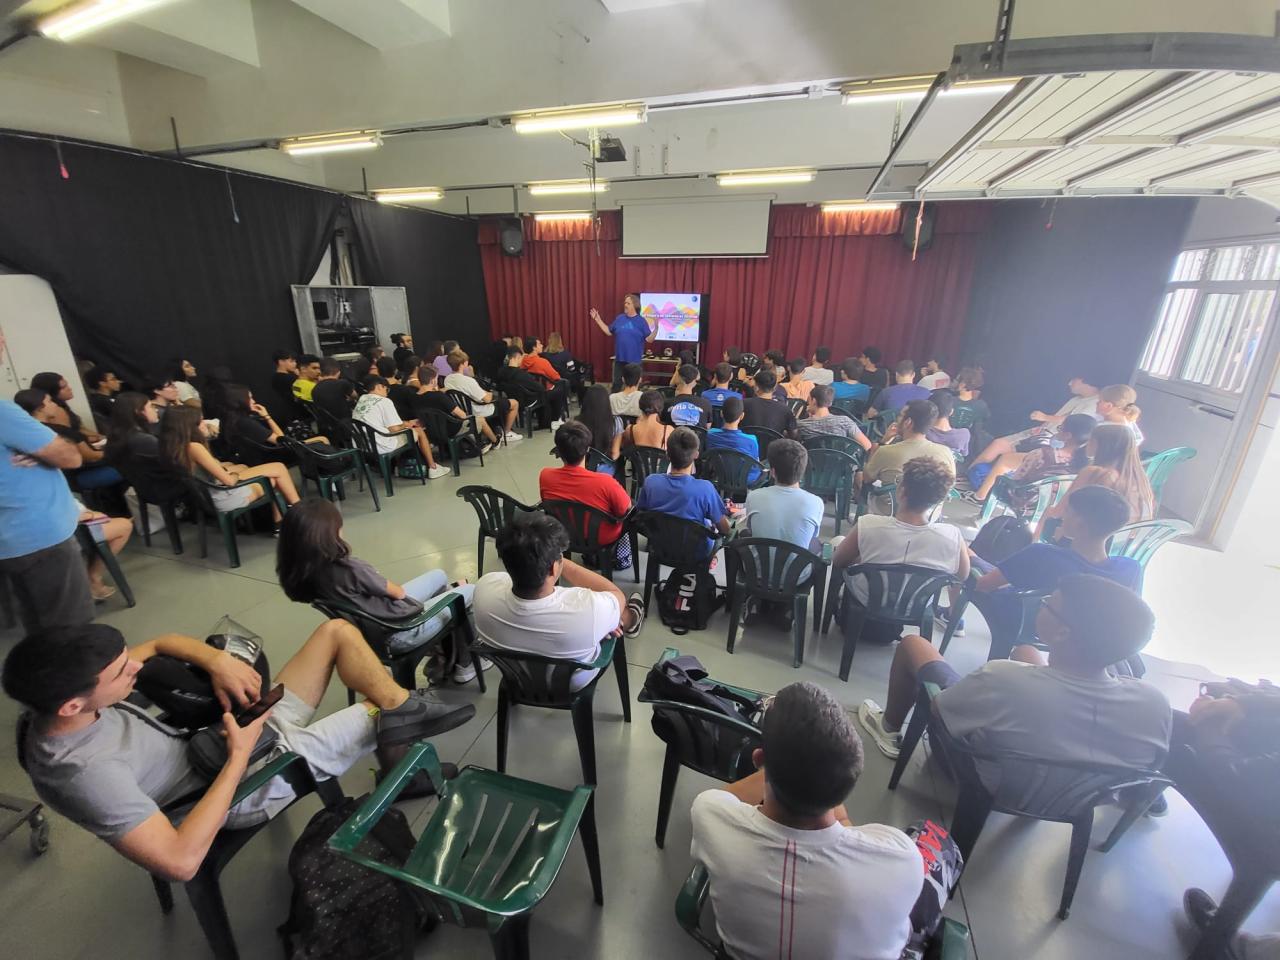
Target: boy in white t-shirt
{"x": 376, "y": 409}
{"x": 785, "y": 864}
{"x": 484, "y": 404}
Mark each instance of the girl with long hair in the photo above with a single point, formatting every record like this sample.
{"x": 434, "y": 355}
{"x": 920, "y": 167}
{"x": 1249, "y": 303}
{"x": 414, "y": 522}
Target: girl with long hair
{"x": 94, "y": 473}
{"x": 56, "y": 386}
{"x": 597, "y": 416}
{"x": 313, "y": 562}
{"x": 183, "y": 446}
{"x": 182, "y": 371}
{"x": 648, "y": 430}
{"x": 135, "y": 423}
{"x": 1114, "y": 463}
{"x": 245, "y": 418}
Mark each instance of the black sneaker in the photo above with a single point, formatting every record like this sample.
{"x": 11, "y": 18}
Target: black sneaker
{"x": 1199, "y": 907}
{"x": 423, "y": 715}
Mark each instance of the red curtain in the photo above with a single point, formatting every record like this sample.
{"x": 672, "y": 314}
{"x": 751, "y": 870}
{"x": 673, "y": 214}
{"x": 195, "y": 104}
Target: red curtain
{"x": 844, "y": 280}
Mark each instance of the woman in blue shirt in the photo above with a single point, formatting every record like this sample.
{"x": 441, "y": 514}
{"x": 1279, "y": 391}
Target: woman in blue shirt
{"x": 630, "y": 331}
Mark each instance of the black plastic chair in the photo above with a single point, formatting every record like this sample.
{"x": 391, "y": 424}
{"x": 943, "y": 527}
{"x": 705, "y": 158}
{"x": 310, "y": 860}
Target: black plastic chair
{"x": 831, "y": 441}
{"x": 829, "y": 475}
{"x": 637, "y": 463}
{"x": 583, "y": 524}
{"x": 91, "y": 541}
{"x": 204, "y": 889}
{"x": 438, "y": 425}
{"x": 330, "y": 471}
{"x": 729, "y": 471}
{"x": 1030, "y": 606}
{"x": 713, "y": 744}
{"x": 533, "y": 680}
{"x": 673, "y": 542}
{"x": 338, "y": 431}
{"x": 775, "y": 571}
{"x": 701, "y": 433}
{"x": 899, "y": 594}
{"x": 853, "y": 409}
{"x": 495, "y": 510}
{"x": 154, "y": 482}
{"x": 252, "y": 453}
{"x": 798, "y": 406}
{"x": 202, "y": 497}
{"x": 377, "y": 633}
{"x": 366, "y": 441}
{"x": 764, "y": 436}
{"x": 1024, "y": 786}
{"x": 596, "y": 459}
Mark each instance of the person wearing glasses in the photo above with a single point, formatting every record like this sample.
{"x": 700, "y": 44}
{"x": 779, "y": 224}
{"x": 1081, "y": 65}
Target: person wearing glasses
{"x": 1064, "y": 706}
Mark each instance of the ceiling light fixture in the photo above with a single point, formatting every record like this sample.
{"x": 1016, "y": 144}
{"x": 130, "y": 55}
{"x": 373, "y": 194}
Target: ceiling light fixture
{"x": 753, "y": 178}
{"x": 582, "y": 118}
{"x": 988, "y": 85}
{"x": 551, "y": 188}
{"x": 552, "y": 215}
{"x": 408, "y": 194}
{"x": 856, "y": 206}
{"x": 332, "y": 142}
{"x": 76, "y": 19}
{"x": 886, "y": 88}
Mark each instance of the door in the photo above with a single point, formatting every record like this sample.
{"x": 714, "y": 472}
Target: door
{"x": 36, "y": 338}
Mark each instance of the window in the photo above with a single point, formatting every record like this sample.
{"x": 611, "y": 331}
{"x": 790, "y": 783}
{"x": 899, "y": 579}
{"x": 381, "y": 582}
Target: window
{"x": 1215, "y": 312}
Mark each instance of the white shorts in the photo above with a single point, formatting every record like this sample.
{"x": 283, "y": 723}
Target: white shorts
{"x": 331, "y": 745}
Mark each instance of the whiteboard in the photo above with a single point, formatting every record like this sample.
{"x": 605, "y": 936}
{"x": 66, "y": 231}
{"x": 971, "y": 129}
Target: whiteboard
{"x": 696, "y": 227}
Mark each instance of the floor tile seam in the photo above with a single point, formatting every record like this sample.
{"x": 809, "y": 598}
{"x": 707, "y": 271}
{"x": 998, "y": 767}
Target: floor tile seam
{"x": 198, "y": 563}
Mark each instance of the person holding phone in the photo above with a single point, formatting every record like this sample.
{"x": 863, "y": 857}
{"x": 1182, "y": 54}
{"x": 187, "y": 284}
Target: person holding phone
{"x": 109, "y": 767}
{"x": 630, "y": 331}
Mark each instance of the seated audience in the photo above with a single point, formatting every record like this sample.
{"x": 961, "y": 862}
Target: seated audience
{"x": 1091, "y": 516}
{"x": 910, "y": 441}
{"x": 135, "y": 428}
{"x": 56, "y": 386}
{"x": 525, "y": 610}
{"x": 817, "y": 371}
{"x": 846, "y": 891}
{"x": 441, "y": 363}
{"x": 181, "y": 372}
{"x": 782, "y": 511}
{"x": 184, "y": 447}
{"x": 308, "y": 375}
{"x": 313, "y": 562}
{"x": 873, "y": 375}
{"x": 1067, "y": 454}
{"x": 933, "y": 377}
{"x": 719, "y": 390}
{"x": 730, "y": 436}
{"x": 774, "y": 369}
{"x": 847, "y": 386}
{"x": 333, "y": 393}
{"x": 1117, "y": 404}
{"x": 386, "y": 368}
{"x": 163, "y": 393}
{"x": 517, "y": 383}
{"x": 102, "y": 385}
{"x": 686, "y": 409}
{"x": 903, "y": 391}
{"x": 597, "y": 416}
{"x": 821, "y": 422}
{"x": 1062, "y": 707}
{"x": 115, "y": 532}
{"x": 484, "y": 404}
{"x": 108, "y": 767}
{"x": 286, "y": 406}
{"x": 954, "y": 438}
{"x": 249, "y": 420}
{"x": 797, "y": 385}
{"x": 376, "y": 409}
{"x": 765, "y": 409}
{"x": 403, "y": 343}
{"x": 1114, "y": 463}
{"x": 434, "y": 351}
{"x": 541, "y": 380}
{"x": 678, "y": 492}
{"x": 626, "y": 403}
{"x": 1084, "y": 399}
{"x": 94, "y": 473}
{"x": 573, "y": 481}
{"x": 430, "y": 396}
{"x": 967, "y": 386}
{"x": 648, "y": 430}
{"x": 569, "y": 368}
{"x": 535, "y": 362}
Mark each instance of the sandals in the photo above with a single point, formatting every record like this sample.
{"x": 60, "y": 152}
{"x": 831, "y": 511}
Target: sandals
{"x": 635, "y": 603}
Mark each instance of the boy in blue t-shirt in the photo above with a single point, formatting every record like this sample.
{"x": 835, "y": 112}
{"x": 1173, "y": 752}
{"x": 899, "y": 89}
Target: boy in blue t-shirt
{"x": 730, "y": 437}
{"x": 719, "y": 392}
{"x": 846, "y": 385}
{"x": 678, "y": 492}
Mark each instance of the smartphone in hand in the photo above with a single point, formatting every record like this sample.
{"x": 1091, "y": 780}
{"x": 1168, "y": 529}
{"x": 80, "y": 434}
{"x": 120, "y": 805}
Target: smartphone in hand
{"x": 255, "y": 710}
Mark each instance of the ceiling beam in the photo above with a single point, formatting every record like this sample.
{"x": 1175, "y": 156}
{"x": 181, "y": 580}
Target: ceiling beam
{"x": 1206, "y": 166}
{"x": 1209, "y": 131}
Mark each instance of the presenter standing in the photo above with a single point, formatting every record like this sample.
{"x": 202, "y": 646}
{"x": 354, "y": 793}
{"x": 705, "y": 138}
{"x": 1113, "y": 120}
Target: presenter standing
{"x": 630, "y": 332}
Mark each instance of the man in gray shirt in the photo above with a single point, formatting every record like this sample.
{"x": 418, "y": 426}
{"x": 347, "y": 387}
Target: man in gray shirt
{"x": 1065, "y": 706}
{"x": 821, "y": 422}
{"x": 112, "y": 769}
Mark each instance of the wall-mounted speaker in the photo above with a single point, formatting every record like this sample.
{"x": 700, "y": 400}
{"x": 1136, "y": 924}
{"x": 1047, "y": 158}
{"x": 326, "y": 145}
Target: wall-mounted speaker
{"x": 910, "y": 210}
{"x": 511, "y": 236}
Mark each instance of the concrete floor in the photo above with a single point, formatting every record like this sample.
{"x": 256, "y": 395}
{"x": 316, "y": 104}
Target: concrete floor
{"x": 81, "y": 900}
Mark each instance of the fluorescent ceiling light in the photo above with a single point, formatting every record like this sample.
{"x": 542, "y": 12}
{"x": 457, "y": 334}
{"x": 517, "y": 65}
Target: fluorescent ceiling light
{"x": 994, "y": 85}
{"x": 332, "y": 142}
{"x": 562, "y": 215}
{"x": 545, "y": 121}
{"x": 752, "y": 178}
{"x": 76, "y": 19}
{"x": 408, "y": 194}
{"x": 853, "y": 206}
{"x": 886, "y": 88}
{"x": 553, "y": 187}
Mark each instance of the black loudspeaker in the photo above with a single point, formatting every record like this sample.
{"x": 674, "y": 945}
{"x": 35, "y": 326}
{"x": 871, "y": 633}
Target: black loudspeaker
{"x": 909, "y": 212}
{"x": 511, "y": 236}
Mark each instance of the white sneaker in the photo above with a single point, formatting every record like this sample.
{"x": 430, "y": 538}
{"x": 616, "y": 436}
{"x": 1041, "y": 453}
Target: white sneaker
{"x": 872, "y": 719}
{"x": 514, "y": 437}
{"x": 438, "y": 471}
{"x": 556, "y": 425}
{"x": 465, "y": 673}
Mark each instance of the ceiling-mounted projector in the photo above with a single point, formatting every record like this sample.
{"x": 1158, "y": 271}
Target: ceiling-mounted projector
{"x": 610, "y": 150}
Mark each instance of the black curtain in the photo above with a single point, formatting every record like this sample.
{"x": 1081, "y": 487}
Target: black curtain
{"x": 152, "y": 258}
{"x": 436, "y": 259}
{"x": 1068, "y": 289}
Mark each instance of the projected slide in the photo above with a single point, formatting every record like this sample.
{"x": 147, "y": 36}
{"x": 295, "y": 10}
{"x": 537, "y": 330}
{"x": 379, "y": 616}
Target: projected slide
{"x": 677, "y": 314}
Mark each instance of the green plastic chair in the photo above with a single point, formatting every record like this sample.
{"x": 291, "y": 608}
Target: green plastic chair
{"x": 533, "y": 680}
{"x": 853, "y": 409}
{"x": 1140, "y": 541}
{"x": 1047, "y": 493}
{"x": 490, "y": 852}
{"x": 1159, "y": 466}
{"x": 729, "y": 470}
{"x": 495, "y": 510}
{"x": 833, "y": 442}
{"x": 880, "y": 423}
{"x": 829, "y": 475}
{"x": 201, "y": 493}
{"x": 366, "y": 438}
{"x": 775, "y": 571}
{"x": 330, "y": 471}
{"x": 951, "y": 942}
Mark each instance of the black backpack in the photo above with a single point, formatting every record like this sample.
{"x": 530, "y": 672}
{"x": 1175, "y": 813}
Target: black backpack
{"x": 1000, "y": 538}
{"x": 342, "y": 910}
{"x": 684, "y": 680}
{"x": 687, "y": 598}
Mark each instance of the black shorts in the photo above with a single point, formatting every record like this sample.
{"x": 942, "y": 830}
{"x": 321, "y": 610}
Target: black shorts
{"x": 939, "y": 673}
{"x": 52, "y": 586}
